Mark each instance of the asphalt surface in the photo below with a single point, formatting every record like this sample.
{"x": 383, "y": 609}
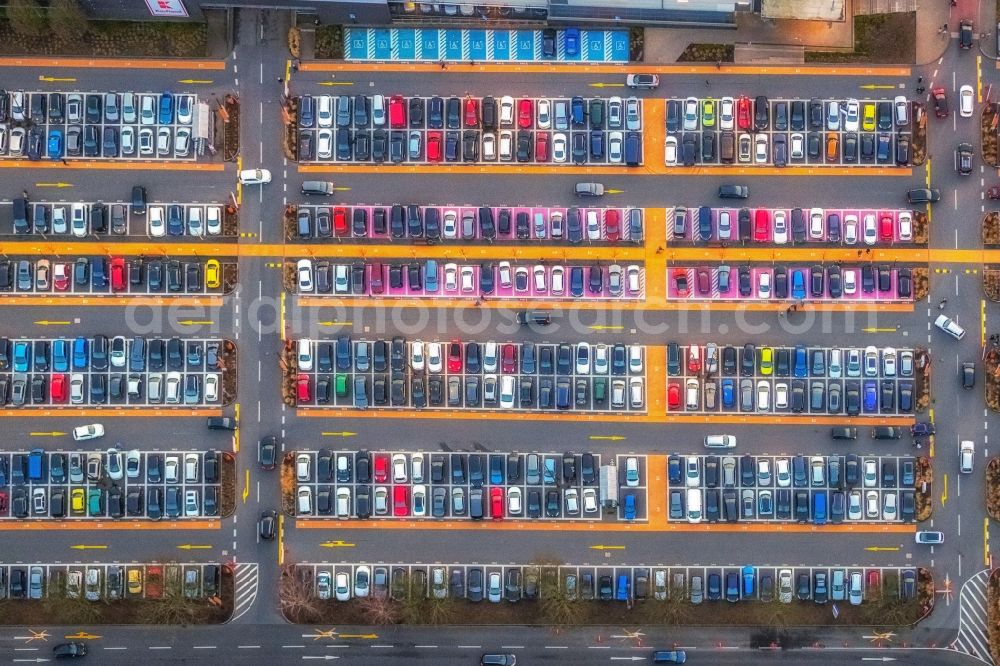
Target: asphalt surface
{"x": 250, "y": 317}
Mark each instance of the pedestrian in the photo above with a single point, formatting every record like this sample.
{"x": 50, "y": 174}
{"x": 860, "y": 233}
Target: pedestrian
{"x": 943, "y": 302}
{"x": 718, "y": 64}
{"x": 860, "y": 252}
{"x": 280, "y": 80}
{"x": 707, "y": 83}
{"x": 295, "y": 65}
{"x": 477, "y": 303}
{"x": 444, "y": 66}
{"x": 920, "y": 90}
{"x": 24, "y": 194}
{"x": 65, "y": 163}
{"x": 781, "y": 315}
{"x": 868, "y": 250}
{"x": 920, "y": 79}
{"x": 659, "y": 249}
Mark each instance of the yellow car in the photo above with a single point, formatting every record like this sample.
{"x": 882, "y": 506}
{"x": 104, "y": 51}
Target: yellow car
{"x": 708, "y": 113}
{"x": 766, "y": 360}
{"x": 213, "y": 274}
{"x": 135, "y": 582}
{"x": 77, "y": 501}
{"x": 868, "y": 120}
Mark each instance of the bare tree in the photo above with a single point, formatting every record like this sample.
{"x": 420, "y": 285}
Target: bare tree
{"x": 379, "y": 611}
{"x": 296, "y": 597}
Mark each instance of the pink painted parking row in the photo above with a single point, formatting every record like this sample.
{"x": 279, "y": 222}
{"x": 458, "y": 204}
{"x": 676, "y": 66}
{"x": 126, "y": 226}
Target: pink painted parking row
{"x": 432, "y": 279}
{"x": 865, "y": 283}
{"x": 780, "y": 226}
{"x": 472, "y": 223}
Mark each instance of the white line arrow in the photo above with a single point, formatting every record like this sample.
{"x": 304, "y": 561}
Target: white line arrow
{"x": 628, "y": 658}
{"x": 878, "y": 659}
{"x": 325, "y": 656}
{"x": 35, "y": 660}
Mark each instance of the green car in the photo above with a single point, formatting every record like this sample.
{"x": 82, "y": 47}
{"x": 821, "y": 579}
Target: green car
{"x": 95, "y": 502}
{"x": 341, "y": 386}
{"x": 708, "y": 113}
{"x": 600, "y": 390}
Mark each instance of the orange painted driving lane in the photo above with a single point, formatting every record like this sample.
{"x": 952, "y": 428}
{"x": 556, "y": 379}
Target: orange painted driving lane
{"x": 114, "y": 412}
{"x": 114, "y": 63}
{"x": 618, "y": 70}
{"x": 94, "y": 525}
{"x": 113, "y": 165}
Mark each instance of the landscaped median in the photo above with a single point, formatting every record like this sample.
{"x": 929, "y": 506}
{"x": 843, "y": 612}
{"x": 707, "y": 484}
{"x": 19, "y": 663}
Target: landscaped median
{"x": 993, "y": 489}
{"x": 993, "y": 610}
{"x": 991, "y": 370}
{"x": 409, "y": 601}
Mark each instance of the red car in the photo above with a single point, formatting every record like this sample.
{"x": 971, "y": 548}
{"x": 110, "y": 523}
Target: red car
{"x": 471, "y": 113}
{"x": 940, "y": 102}
{"x": 694, "y": 361}
{"x": 744, "y": 112}
{"x": 612, "y": 224}
{"x": 761, "y": 225}
{"x": 58, "y": 388}
{"x": 376, "y": 282}
{"x": 3, "y": 502}
{"x": 496, "y": 503}
{"x": 303, "y": 390}
{"x": 886, "y": 231}
{"x": 681, "y": 282}
{"x": 397, "y": 112}
{"x": 455, "y": 356}
{"x": 508, "y": 359}
{"x": 434, "y": 146}
{"x": 525, "y": 114}
{"x": 542, "y": 147}
{"x": 381, "y": 468}
{"x": 340, "y": 221}
{"x": 60, "y": 276}
{"x": 872, "y": 584}
{"x": 704, "y": 281}
{"x": 118, "y": 279}
{"x": 673, "y": 395}
{"x": 401, "y": 501}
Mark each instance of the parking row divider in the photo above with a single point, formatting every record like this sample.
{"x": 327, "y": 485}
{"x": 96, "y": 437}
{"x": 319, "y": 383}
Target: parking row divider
{"x": 107, "y": 412}
{"x": 104, "y": 523}
{"x": 110, "y": 164}
{"x": 113, "y": 299}
{"x": 479, "y": 414}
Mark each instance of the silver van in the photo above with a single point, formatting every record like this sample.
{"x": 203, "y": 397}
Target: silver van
{"x": 317, "y": 187}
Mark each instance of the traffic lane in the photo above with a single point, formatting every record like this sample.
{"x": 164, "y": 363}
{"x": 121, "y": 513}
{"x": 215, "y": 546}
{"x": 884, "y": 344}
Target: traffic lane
{"x": 115, "y": 185}
{"x": 501, "y": 185}
{"x": 123, "y": 318}
{"x": 569, "y": 81}
{"x": 116, "y": 545}
{"x": 501, "y": 433}
{"x": 186, "y": 433}
{"x": 488, "y": 543}
{"x": 416, "y": 319}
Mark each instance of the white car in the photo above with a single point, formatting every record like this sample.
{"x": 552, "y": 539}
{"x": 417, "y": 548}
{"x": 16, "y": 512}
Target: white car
{"x": 633, "y": 279}
{"x": 255, "y": 176}
{"x": 744, "y": 146}
{"x": 966, "y": 454}
{"x": 504, "y": 273}
{"x": 450, "y": 277}
{"x": 304, "y": 270}
{"x": 763, "y": 396}
{"x": 760, "y": 151}
{"x": 816, "y": 223}
{"x": 632, "y": 472}
{"x": 692, "y": 472}
{"x": 902, "y": 108}
{"x": 950, "y": 326}
{"x": 633, "y": 115}
{"x": 869, "y": 473}
{"x": 833, "y": 116}
{"x": 616, "y": 142}
{"x": 417, "y": 356}
{"x": 634, "y": 359}
{"x": 362, "y": 581}
{"x": 590, "y": 500}
{"x": 419, "y": 500}
{"x": 889, "y": 362}
{"x": 781, "y": 395}
{"x": 78, "y": 224}
{"x": 543, "y": 113}
{"x": 782, "y": 473}
{"x": 468, "y": 279}
{"x": 871, "y": 504}
{"x": 583, "y": 358}
{"x": 798, "y": 146}
{"x": 852, "y": 115}
{"x": 559, "y": 147}
{"x": 905, "y": 226}
{"x": 324, "y": 111}
{"x": 507, "y": 391}
{"x": 449, "y": 227}
{"x": 434, "y": 359}
{"x": 513, "y": 498}
{"x": 871, "y": 234}
{"x": 854, "y": 511}
{"x": 399, "y": 468}
{"x": 614, "y": 112}
{"x": 764, "y": 284}
{"x": 593, "y": 225}
{"x": 727, "y": 107}
{"x": 85, "y": 432}
{"x": 889, "y": 506}
{"x": 851, "y": 229}
{"x": 691, "y": 114}
{"x": 670, "y": 150}
{"x": 966, "y": 98}
{"x": 212, "y": 387}
{"x": 506, "y": 111}
{"x": 780, "y": 227}
{"x": 506, "y": 146}
{"x": 490, "y": 146}
{"x": 324, "y": 144}
{"x": 850, "y": 282}
{"x": 213, "y": 220}
{"x": 342, "y": 589}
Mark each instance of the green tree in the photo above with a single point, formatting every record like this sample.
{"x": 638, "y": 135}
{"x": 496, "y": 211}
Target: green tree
{"x": 68, "y": 19}
{"x": 26, "y": 17}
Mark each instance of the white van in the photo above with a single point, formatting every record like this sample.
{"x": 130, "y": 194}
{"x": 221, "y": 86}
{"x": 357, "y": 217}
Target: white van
{"x": 378, "y": 110}
{"x": 720, "y": 442}
{"x": 305, "y": 359}
{"x": 694, "y": 505}
{"x": 343, "y": 502}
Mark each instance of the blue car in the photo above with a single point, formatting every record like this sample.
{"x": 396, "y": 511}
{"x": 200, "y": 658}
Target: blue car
{"x": 55, "y": 144}
{"x": 732, "y": 587}
{"x": 622, "y": 592}
{"x": 801, "y": 367}
{"x": 431, "y": 276}
{"x": 748, "y": 581}
{"x": 572, "y": 41}
{"x": 496, "y": 470}
{"x": 798, "y": 285}
{"x": 871, "y": 395}
{"x": 22, "y": 357}
{"x": 80, "y": 355}
{"x": 728, "y": 393}
{"x": 630, "y": 506}
{"x": 549, "y": 471}
{"x": 60, "y": 355}
{"x": 166, "y": 108}
{"x": 819, "y": 507}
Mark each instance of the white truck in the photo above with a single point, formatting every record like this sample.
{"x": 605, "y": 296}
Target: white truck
{"x": 609, "y": 487}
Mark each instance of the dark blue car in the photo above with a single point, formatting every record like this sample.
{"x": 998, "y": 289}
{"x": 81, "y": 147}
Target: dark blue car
{"x": 728, "y": 393}
{"x": 871, "y": 395}
{"x": 572, "y": 42}
{"x": 166, "y": 108}
{"x": 798, "y": 285}
{"x": 801, "y": 367}
{"x": 80, "y": 354}
{"x": 630, "y": 506}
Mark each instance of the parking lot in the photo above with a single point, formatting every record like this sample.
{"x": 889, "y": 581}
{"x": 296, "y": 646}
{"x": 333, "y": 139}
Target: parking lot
{"x": 790, "y": 380}
{"x": 782, "y": 226}
{"x": 788, "y": 132}
{"x": 512, "y": 583}
{"x": 860, "y": 283}
{"x": 501, "y": 280}
{"x": 88, "y": 220}
{"x": 109, "y": 582}
{"x": 136, "y": 276}
{"x": 134, "y": 484}
{"x": 111, "y": 125}
{"x": 116, "y": 372}
{"x": 447, "y": 224}
{"x": 432, "y": 130}
{"x": 563, "y": 486}
{"x": 509, "y": 376}
{"x": 816, "y": 489}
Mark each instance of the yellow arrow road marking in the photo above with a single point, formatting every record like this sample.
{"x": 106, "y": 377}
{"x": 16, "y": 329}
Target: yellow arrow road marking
{"x": 46, "y": 322}
{"x": 54, "y": 433}
{"x": 339, "y": 434}
{"x": 872, "y": 329}
{"x": 598, "y": 327}
{"x": 602, "y": 547}
{"x": 877, "y": 86}
{"x": 336, "y": 323}
{"x": 336, "y": 83}
{"x": 878, "y": 549}
{"x": 189, "y": 546}
{"x": 613, "y": 191}
{"x": 944, "y": 493}
{"x": 59, "y": 185}
{"x": 246, "y": 487}
{"x": 196, "y": 322}
{"x": 612, "y": 438}
{"x": 83, "y": 636}
{"x": 607, "y": 85}
{"x": 195, "y": 81}
{"x": 53, "y": 79}
{"x": 365, "y": 636}
{"x": 84, "y": 547}
{"x": 337, "y": 544}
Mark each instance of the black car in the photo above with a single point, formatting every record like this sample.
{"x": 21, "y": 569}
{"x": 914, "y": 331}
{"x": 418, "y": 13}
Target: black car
{"x": 761, "y": 113}
{"x": 579, "y": 147}
{"x": 470, "y": 146}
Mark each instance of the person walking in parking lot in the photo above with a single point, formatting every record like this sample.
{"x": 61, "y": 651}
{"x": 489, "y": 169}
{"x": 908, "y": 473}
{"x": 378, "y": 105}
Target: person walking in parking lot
{"x": 943, "y": 302}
